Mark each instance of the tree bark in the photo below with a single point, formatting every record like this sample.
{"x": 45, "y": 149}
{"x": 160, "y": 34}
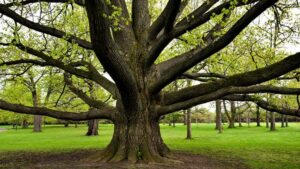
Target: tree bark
{"x": 286, "y": 121}
{"x": 188, "y": 125}
{"x": 218, "y": 116}
{"x": 273, "y": 126}
{"x": 93, "y": 127}
{"x": 137, "y": 139}
{"x": 257, "y": 116}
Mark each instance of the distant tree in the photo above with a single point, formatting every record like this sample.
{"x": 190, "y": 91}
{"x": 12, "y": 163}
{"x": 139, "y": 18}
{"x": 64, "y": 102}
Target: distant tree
{"x": 257, "y": 116}
{"x": 218, "y": 120}
{"x": 188, "y": 124}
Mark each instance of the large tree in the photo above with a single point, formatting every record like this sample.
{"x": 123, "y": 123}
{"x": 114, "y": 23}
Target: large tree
{"x": 128, "y": 44}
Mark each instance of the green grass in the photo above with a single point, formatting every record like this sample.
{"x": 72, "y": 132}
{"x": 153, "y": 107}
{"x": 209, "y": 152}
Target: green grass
{"x": 255, "y": 146}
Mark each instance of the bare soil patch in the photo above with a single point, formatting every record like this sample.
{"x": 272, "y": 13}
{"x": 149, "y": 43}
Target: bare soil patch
{"x": 71, "y": 160}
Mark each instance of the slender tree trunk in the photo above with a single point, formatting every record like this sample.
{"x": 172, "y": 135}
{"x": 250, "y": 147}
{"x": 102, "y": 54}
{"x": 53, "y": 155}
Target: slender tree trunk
{"x": 240, "y": 120}
{"x": 218, "y": 116}
{"x": 233, "y": 113}
{"x": 267, "y": 119}
{"x": 248, "y": 119}
{"x": 25, "y": 124}
{"x": 229, "y": 117}
{"x": 282, "y": 121}
{"x": 257, "y": 116}
{"x": 188, "y": 124}
{"x": 92, "y": 127}
{"x": 273, "y": 126}
{"x": 37, "y": 120}
{"x": 286, "y": 121}
{"x": 66, "y": 124}
{"x": 173, "y": 121}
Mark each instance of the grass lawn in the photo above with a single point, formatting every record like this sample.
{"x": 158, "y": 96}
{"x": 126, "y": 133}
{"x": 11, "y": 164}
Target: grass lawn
{"x": 257, "y": 147}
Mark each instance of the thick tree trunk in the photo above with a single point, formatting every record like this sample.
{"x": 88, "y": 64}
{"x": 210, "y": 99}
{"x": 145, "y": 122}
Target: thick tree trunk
{"x": 267, "y": 119}
{"x": 257, "y": 116}
{"x": 92, "y": 127}
{"x": 188, "y": 124}
{"x": 137, "y": 139}
{"x": 273, "y": 126}
{"x": 282, "y": 121}
{"x": 218, "y": 116}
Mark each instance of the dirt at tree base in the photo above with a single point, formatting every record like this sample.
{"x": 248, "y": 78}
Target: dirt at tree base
{"x": 71, "y": 160}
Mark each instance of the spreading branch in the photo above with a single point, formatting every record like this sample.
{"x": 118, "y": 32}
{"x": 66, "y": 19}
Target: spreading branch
{"x": 244, "y": 79}
{"x": 42, "y": 28}
{"x": 92, "y": 74}
{"x": 265, "y": 105}
{"x": 105, "y": 113}
{"x": 83, "y": 96}
{"x": 27, "y": 2}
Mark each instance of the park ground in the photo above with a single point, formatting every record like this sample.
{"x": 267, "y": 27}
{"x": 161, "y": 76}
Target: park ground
{"x": 242, "y": 147}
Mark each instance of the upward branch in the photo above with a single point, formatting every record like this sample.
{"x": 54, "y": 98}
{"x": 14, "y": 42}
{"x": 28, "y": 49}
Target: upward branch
{"x": 174, "y": 67}
{"x": 140, "y": 17}
{"x": 108, "y": 52}
{"x": 172, "y": 9}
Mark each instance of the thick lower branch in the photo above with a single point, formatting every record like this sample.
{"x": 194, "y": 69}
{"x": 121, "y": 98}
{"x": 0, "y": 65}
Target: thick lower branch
{"x": 104, "y": 113}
